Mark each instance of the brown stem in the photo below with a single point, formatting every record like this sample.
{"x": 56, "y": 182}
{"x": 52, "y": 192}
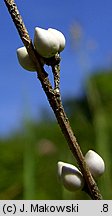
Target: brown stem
{"x": 55, "y": 102}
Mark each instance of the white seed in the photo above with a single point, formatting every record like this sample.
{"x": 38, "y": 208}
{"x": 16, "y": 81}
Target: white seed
{"x": 60, "y": 38}
{"x": 45, "y": 43}
{"x": 70, "y": 176}
{"x": 95, "y": 163}
{"x": 61, "y": 164}
{"x": 24, "y": 59}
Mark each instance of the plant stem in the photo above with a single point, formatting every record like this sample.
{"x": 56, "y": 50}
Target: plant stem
{"x": 55, "y": 101}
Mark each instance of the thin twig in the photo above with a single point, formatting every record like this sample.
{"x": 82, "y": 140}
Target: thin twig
{"x": 54, "y": 100}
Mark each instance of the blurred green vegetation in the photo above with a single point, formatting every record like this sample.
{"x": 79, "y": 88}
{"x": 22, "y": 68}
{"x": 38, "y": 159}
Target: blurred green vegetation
{"x": 28, "y": 159}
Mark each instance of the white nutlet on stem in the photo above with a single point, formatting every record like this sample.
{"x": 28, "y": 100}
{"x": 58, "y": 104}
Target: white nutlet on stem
{"x": 70, "y": 176}
{"x": 95, "y": 163}
{"x": 24, "y": 59}
{"x": 48, "y": 42}
{"x": 60, "y": 38}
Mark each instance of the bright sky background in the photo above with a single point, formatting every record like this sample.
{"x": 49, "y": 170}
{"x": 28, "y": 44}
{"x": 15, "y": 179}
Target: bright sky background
{"x": 20, "y": 89}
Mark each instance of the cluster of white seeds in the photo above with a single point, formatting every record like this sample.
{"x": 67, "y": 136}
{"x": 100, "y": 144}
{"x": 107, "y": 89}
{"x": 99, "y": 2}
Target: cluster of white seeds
{"x": 46, "y": 42}
{"x": 72, "y": 178}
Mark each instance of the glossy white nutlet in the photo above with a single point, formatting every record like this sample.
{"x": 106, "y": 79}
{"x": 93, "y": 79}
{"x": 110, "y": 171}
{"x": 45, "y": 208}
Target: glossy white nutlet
{"x": 24, "y": 59}
{"x": 95, "y": 163}
{"x": 70, "y": 176}
{"x": 45, "y": 43}
{"x": 48, "y": 42}
{"x": 60, "y": 38}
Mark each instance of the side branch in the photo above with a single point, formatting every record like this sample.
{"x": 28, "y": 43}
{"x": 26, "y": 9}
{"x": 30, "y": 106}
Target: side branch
{"x": 54, "y": 100}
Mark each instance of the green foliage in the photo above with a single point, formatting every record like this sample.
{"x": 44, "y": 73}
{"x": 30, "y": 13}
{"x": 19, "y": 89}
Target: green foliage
{"x": 28, "y": 159}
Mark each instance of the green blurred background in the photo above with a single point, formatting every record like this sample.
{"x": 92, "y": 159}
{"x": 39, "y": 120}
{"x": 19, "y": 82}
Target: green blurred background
{"x": 28, "y": 159}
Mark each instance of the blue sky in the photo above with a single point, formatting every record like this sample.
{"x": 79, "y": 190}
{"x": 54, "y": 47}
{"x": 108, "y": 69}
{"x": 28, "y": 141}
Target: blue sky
{"x": 20, "y": 89}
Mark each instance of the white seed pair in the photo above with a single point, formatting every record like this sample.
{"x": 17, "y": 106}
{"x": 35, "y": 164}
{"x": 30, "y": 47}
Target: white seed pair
{"x": 72, "y": 178}
{"x": 46, "y": 42}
